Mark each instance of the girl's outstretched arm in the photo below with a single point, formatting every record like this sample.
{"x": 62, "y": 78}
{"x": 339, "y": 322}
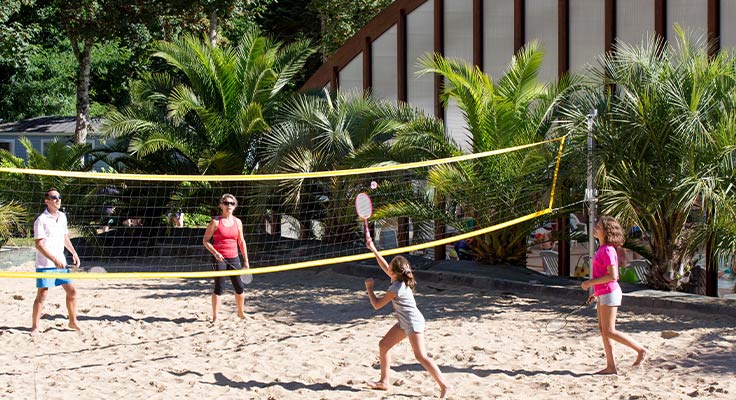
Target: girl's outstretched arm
{"x": 372, "y": 247}
{"x": 375, "y": 301}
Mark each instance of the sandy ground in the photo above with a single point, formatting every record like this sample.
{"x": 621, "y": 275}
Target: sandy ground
{"x": 313, "y": 335}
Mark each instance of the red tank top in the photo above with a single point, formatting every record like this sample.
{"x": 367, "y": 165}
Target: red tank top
{"x": 226, "y": 239}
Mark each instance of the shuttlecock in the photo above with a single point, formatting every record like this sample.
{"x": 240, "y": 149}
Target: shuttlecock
{"x": 374, "y": 184}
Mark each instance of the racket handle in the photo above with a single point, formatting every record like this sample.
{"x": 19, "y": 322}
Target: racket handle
{"x": 367, "y": 230}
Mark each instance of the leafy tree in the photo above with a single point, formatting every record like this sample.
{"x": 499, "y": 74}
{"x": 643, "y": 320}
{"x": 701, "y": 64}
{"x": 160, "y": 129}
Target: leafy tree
{"x": 15, "y": 37}
{"x": 340, "y": 19}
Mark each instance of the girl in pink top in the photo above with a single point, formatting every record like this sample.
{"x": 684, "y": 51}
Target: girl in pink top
{"x": 606, "y": 289}
{"x": 227, "y": 231}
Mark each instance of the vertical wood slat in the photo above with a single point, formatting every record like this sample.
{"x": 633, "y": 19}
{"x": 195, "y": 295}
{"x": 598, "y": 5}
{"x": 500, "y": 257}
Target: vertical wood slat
{"x": 439, "y": 112}
{"x": 660, "y": 18}
{"x": 367, "y": 64}
{"x": 519, "y": 25}
{"x": 402, "y": 234}
{"x": 335, "y": 79}
{"x": 610, "y": 24}
{"x": 478, "y": 33}
{"x": 563, "y": 37}
{"x": 714, "y": 27}
{"x": 401, "y": 57}
{"x": 439, "y": 48}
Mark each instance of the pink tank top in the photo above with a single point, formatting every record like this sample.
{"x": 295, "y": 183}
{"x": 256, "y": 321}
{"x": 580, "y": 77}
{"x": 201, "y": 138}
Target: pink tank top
{"x": 226, "y": 239}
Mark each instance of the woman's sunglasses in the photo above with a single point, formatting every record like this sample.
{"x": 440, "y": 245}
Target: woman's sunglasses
{"x": 53, "y": 197}
{"x": 228, "y": 203}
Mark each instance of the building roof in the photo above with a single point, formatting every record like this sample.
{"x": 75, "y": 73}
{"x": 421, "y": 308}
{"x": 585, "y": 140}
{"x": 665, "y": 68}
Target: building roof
{"x": 53, "y": 125}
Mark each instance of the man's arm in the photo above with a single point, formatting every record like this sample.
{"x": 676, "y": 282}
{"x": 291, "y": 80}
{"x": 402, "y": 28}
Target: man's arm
{"x": 69, "y": 246}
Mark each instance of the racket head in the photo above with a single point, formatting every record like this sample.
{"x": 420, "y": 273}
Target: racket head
{"x": 556, "y": 324}
{"x": 247, "y": 279}
{"x": 363, "y": 205}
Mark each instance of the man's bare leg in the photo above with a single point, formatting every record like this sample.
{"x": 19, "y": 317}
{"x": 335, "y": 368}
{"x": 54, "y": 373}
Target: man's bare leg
{"x": 37, "y": 308}
{"x": 71, "y": 305}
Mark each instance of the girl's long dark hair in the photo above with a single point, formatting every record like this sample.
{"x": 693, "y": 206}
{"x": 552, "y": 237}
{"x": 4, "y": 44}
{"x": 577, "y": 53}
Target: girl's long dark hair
{"x": 401, "y": 267}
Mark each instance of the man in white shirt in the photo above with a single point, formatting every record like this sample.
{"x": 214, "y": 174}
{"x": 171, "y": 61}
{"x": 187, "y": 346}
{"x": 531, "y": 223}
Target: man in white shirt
{"x": 52, "y": 236}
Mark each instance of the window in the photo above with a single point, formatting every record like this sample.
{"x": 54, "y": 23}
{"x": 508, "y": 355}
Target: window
{"x": 45, "y": 143}
{"x": 8, "y": 145}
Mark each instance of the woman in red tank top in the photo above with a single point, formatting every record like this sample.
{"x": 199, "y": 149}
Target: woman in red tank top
{"x": 227, "y": 231}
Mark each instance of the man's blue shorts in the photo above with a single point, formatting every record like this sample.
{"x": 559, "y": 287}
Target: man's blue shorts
{"x": 51, "y": 282}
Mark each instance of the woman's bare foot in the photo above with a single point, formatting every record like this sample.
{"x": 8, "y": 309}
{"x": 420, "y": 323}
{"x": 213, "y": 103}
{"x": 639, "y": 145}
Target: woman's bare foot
{"x": 607, "y": 371}
{"x": 643, "y": 353}
{"x": 444, "y": 390}
{"x": 241, "y": 316}
{"x": 73, "y": 325}
{"x": 379, "y": 385}
{"x": 34, "y": 332}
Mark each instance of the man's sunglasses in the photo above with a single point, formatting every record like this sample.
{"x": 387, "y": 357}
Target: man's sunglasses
{"x": 228, "y": 203}
{"x": 53, "y": 197}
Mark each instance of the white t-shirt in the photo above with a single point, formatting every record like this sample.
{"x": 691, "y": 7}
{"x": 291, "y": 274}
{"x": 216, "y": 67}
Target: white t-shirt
{"x": 53, "y": 231}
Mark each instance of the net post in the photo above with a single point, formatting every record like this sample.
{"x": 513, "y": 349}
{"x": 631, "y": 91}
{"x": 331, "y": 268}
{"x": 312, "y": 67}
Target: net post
{"x": 590, "y": 194}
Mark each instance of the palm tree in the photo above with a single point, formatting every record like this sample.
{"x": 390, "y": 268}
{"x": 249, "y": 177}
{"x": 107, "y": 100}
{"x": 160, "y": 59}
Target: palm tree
{"x": 514, "y": 110}
{"x": 59, "y": 156}
{"x": 12, "y": 215}
{"x": 211, "y": 120}
{"x": 665, "y": 146}
{"x": 339, "y": 131}
{"x": 21, "y": 194}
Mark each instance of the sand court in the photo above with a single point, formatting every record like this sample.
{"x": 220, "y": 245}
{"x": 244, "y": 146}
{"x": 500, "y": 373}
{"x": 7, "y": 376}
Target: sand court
{"x": 312, "y": 334}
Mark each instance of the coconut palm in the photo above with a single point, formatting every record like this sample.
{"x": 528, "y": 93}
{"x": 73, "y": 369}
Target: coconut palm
{"x": 665, "y": 146}
{"x": 513, "y": 110}
{"x": 209, "y": 114}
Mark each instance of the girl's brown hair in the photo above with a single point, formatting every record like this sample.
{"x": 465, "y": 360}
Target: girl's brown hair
{"x": 400, "y": 266}
{"x": 613, "y": 230}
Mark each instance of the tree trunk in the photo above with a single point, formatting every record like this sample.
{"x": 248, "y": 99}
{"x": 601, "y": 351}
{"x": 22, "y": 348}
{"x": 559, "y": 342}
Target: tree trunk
{"x": 212, "y": 33}
{"x": 84, "y": 64}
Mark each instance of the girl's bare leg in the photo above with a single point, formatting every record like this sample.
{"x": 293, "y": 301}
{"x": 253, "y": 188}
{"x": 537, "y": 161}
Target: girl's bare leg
{"x": 603, "y": 323}
{"x": 609, "y": 328}
{"x": 420, "y": 352}
{"x": 390, "y": 339}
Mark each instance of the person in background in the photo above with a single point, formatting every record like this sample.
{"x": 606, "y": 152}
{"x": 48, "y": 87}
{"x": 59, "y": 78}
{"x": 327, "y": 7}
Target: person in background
{"x": 51, "y": 235}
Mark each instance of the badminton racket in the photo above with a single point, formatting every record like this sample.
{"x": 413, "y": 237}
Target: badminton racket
{"x": 364, "y": 207}
{"x": 247, "y": 279}
{"x": 560, "y": 322}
